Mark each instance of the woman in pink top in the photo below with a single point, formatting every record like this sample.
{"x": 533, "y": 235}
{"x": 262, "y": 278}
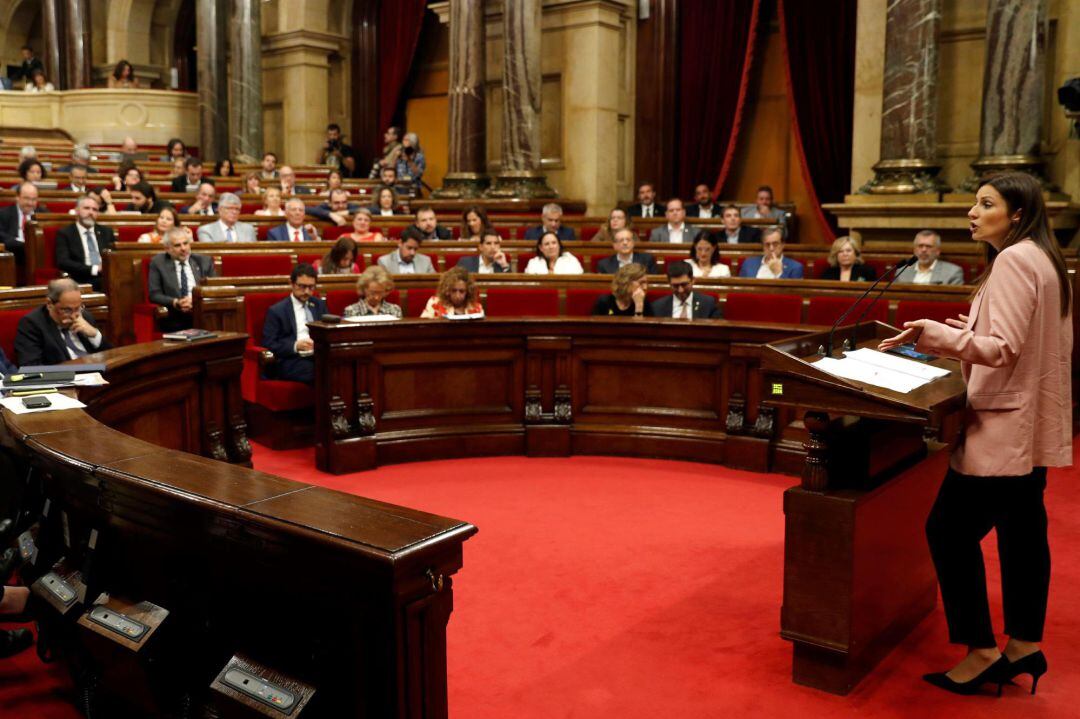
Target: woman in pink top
{"x": 1015, "y": 347}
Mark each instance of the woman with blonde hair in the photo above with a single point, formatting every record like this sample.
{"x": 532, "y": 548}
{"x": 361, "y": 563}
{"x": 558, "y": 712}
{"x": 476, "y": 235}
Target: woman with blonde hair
{"x": 362, "y": 231}
{"x": 627, "y": 298}
{"x": 457, "y": 294}
{"x": 272, "y": 206}
{"x": 845, "y": 262}
{"x": 373, "y": 286}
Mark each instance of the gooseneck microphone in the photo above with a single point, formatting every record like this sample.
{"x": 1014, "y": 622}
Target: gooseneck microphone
{"x": 900, "y": 267}
{"x": 895, "y": 272}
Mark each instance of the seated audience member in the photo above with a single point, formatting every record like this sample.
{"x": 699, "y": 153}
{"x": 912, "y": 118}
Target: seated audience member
{"x": 127, "y": 176}
{"x": 705, "y": 257}
{"x": 625, "y": 255}
{"x": 676, "y": 229}
{"x": 204, "y": 203}
{"x": 617, "y": 220}
{"x": 734, "y": 231}
{"x": 178, "y": 169}
{"x": 386, "y": 202}
{"x": 457, "y": 294}
{"x": 224, "y": 168}
{"x": 337, "y": 210}
{"x": 388, "y": 176}
{"x": 474, "y": 221}
{"x": 79, "y": 246}
{"x": 30, "y": 171}
{"x": 144, "y": 199}
{"x": 15, "y": 218}
{"x": 175, "y": 149}
{"x": 646, "y": 205}
{"x": 77, "y": 179}
{"x": 703, "y": 203}
{"x": 192, "y": 177}
{"x": 552, "y": 259}
{"x": 627, "y": 298}
{"x": 30, "y": 62}
{"x": 427, "y": 227}
{"x": 772, "y": 265}
{"x": 845, "y": 262}
{"x": 38, "y": 83}
{"x": 410, "y": 161}
{"x": 123, "y": 76}
{"x": 80, "y": 156}
{"x": 294, "y": 229}
{"x": 490, "y": 258}
{"x": 763, "y": 208}
{"x": 272, "y": 206}
{"x": 340, "y": 260}
{"x": 930, "y": 269}
{"x": 287, "y": 178}
{"x": 285, "y": 331}
{"x": 60, "y": 330}
{"x": 129, "y": 149}
{"x": 228, "y": 227}
{"x": 683, "y": 303}
{"x": 333, "y": 182}
{"x": 336, "y": 153}
{"x": 253, "y": 185}
{"x": 173, "y": 274}
{"x": 269, "y": 169}
{"x": 551, "y": 221}
{"x": 373, "y": 286}
{"x": 167, "y": 219}
{"x": 104, "y": 200}
{"x": 391, "y": 149}
{"x": 406, "y": 260}
{"x": 362, "y": 231}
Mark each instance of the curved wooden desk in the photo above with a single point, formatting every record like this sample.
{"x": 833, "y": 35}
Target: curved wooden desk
{"x": 347, "y": 594}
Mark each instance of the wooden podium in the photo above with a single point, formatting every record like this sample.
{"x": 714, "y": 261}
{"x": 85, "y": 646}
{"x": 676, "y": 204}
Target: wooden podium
{"x": 857, "y": 572}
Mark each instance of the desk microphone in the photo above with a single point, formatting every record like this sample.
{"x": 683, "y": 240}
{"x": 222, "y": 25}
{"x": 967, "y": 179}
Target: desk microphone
{"x": 896, "y": 273}
{"x": 832, "y": 330}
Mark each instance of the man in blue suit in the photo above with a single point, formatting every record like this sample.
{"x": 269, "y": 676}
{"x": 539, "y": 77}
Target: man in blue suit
{"x": 490, "y": 258}
{"x": 285, "y": 331}
{"x": 550, "y": 221}
{"x": 294, "y": 229}
{"x": 772, "y": 265}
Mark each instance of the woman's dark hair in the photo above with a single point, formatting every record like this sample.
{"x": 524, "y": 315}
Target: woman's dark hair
{"x": 337, "y": 253}
{"x": 173, "y": 143}
{"x": 172, "y": 211}
{"x": 479, "y": 212}
{"x": 34, "y": 75}
{"x": 221, "y": 163}
{"x": 124, "y": 168}
{"x": 709, "y": 237}
{"x": 25, "y": 165}
{"x": 118, "y": 71}
{"x": 393, "y": 196}
{"x": 541, "y": 240}
{"x": 146, "y": 190}
{"x": 333, "y": 172}
{"x": 1022, "y": 193}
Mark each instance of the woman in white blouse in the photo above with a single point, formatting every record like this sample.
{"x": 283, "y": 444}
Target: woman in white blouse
{"x": 705, "y": 257}
{"x": 552, "y": 259}
{"x": 271, "y": 203}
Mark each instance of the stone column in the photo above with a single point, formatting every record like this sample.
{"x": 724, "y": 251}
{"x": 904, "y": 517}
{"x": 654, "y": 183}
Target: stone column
{"x": 1013, "y": 83}
{"x": 246, "y": 80}
{"x": 212, "y": 25}
{"x": 52, "y": 33}
{"x": 466, "y": 175}
{"x": 520, "y": 175}
{"x": 76, "y": 50}
{"x": 907, "y": 163}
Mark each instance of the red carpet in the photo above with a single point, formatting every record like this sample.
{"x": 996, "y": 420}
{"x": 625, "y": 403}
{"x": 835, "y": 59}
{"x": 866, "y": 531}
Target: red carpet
{"x": 602, "y": 587}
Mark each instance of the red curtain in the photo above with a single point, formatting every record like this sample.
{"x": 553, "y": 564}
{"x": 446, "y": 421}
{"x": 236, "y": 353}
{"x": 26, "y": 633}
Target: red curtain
{"x": 819, "y": 52}
{"x": 716, "y": 47}
{"x": 400, "y": 23}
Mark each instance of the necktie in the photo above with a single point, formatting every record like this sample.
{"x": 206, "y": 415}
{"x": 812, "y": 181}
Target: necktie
{"x": 25, "y": 222}
{"x": 92, "y": 248}
{"x": 682, "y": 312}
{"x": 184, "y": 289}
{"x": 228, "y": 234}
{"x": 70, "y": 342}
{"x": 296, "y": 235}
{"x": 307, "y": 313}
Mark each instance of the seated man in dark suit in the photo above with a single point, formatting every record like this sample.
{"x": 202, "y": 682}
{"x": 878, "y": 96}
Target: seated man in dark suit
{"x": 683, "y": 303}
{"x": 703, "y": 204}
{"x": 14, "y": 220}
{"x": 77, "y": 180}
{"x": 204, "y": 200}
{"x": 734, "y": 231}
{"x": 550, "y": 221}
{"x": 623, "y": 244}
{"x": 294, "y": 229}
{"x": 60, "y": 330}
{"x": 772, "y": 265}
{"x": 287, "y": 178}
{"x": 192, "y": 177}
{"x": 490, "y": 257}
{"x": 285, "y": 331}
{"x": 79, "y": 246}
{"x": 337, "y": 210}
{"x": 172, "y": 276}
{"x": 426, "y": 226}
{"x": 646, "y": 205}
{"x": 144, "y": 199}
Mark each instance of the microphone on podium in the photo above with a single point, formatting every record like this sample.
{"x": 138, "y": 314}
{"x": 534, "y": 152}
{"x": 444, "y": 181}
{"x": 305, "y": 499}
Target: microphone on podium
{"x": 870, "y": 305}
{"x": 895, "y": 272}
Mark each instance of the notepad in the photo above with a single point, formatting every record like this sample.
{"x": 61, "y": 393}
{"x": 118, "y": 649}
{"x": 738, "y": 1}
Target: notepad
{"x": 370, "y": 318}
{"x": 881, "y": 370}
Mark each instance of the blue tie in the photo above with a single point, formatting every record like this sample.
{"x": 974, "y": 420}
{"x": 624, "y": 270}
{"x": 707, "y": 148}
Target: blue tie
{"x": 307, "y": 313}
{"x": 92, "y": 248}
{"x": 184, "y": 289}
{"x": 70, "y": 342}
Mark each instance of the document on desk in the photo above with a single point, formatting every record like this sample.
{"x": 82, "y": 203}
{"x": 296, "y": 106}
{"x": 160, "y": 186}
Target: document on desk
{"x": 58, "y": 402}
{"x": 370, "y": 318}
{"x": 881, "y": 370}
{"x": 899, "y": 364}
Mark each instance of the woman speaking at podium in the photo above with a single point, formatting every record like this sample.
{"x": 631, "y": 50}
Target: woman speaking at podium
{"x": 1015, "y": 347}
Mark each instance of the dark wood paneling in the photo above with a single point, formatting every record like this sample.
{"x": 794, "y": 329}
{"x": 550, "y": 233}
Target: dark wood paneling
{"x": 657, "y": 97}
{"x": 366, "y": 133}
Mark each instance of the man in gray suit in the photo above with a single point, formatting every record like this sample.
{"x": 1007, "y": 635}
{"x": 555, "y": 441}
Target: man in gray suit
{"x": 406, "y": 260}
{"x": 228, "y": 228}
{"x": 676, "y": 229}
{"x": 173, "y": 274}
{"x": 930, "y": 270}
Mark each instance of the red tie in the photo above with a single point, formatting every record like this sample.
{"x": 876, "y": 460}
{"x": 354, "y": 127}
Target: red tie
{"x": 25, "y": 222}
{"x": 296, "y": 236}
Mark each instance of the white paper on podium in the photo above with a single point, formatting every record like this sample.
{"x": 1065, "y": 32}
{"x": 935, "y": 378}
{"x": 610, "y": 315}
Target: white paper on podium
{"x": 851, "y": 368}
{"x": 370, "y": 318}
{"x": 59, "y": 401}
{"x": 898, "y": 364}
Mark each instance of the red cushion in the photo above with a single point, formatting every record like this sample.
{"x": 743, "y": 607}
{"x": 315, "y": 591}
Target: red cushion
{"x": 130, "y": 233}
{"x": 594, "y": 262}
{"x": 262, "y": 231}
{"x": 825, "y": 310}
{"x": 255, "y": 306}
{"x": 417, "y": 299}
{"x": 9, "y": 323}
{"x": 145, "y": 318}
{"x": 308, "y": 259}
{"x": 579, "y": 303}
{"x": 589, "y": 232}
{"x": 338, "y": 300}
{"x": 908, "y": 310}
{"x": 505, "y": 302}
{"x": 753, "y": 307}
{"x": 48, "y": 248}
{"x": 249, "y": 208}
{"x": 393, "y": 231}
{"x": 255, "y": 265}
{"x": 451, "y": 258}
{"x": 282, "y": 395}
{"x": 880, "y": 266}
{"x": 334, "y": 232}
{"x": 523, "y": 260}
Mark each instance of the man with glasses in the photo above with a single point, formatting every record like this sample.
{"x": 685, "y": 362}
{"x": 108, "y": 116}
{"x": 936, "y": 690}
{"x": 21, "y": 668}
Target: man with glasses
{"x": 172, "y": 277}
{"x": 285, "y": 331}
{"x": 61, "y": 330}
{"x": 683, "y": 303}
{"x": 228, "y": 228}
{"x": 79, "y": 247}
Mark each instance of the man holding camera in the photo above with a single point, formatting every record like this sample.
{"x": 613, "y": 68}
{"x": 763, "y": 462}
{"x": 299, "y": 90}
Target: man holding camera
{"x": 336, "y": 153}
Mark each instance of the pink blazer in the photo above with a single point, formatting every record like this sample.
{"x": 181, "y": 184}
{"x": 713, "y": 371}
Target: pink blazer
{"x": 1015, "y": 356}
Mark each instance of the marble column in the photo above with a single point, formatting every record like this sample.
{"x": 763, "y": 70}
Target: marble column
{"x": 52, "y": 33}
{"x": 212, "y": 25}
{"x": 1014, "y": 79}
{"x": 246, "y": 80}
{"x": 907, "y": 163}
{"x": 520, "y": 175}
{"x": 76, "y": 49}
{"x": 466, "y": 175}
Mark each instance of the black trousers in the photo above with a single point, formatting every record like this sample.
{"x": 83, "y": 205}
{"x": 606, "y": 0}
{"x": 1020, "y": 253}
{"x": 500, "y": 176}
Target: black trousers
{"x": 965, "y": 511}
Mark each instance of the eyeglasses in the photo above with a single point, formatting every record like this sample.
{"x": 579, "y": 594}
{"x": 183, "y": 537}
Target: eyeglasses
{"x": 310, "y": 288}
{"x": 69, "y": 311}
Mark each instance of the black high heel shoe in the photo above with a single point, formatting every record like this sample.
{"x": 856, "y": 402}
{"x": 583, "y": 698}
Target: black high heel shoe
{"x": 993, "y": 674}
{"x": 1033, "y": 664}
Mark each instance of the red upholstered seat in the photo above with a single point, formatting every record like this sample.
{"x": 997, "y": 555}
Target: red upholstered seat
{"x": 908, "y": 310}
{"x": 393, "y": 231}
{"x": 505, "y": 302}
{"x": 825, "y": 310}
{"x": 579, "y": 303}
{"x": 523, "y": 260}
{"x": 309, "y": 258}
{"x": 589, "y": 232}
{"x": 146, "y": 329}
{"x": 451, "y": 258}
{"x": 338, "y": 300}
{"x": 9, "y": 323}
{"x": 282, "y": 395}
{"x": 262, "y": 230}
{"x": 48, "y": 271}
{"x": 753, "y": 307}
{"x": 594, "y": 263}
{"x": 333, "y": 233}
{"x": 130, "y": 233}
{"x": 880, "y": 267}
{"x": 249, "y": 208}
{"x": 275, "y": 395}
{"x": 255, "y": 265}
{"x": 417, "y": 299}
